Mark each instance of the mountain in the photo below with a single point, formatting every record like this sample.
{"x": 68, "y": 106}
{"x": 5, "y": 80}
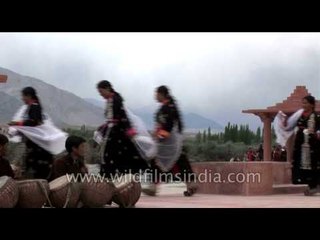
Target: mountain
{"x": 196, "y": 121}
{"x": 97, "y": 103}
{"x": 65, "y": 108}
{"x": 193, "y": 122}
{"x": 8, "y": 107}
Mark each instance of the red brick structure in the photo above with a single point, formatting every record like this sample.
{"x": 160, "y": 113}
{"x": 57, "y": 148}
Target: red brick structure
{"x": 288, "y": 106}
{"x": 275, "y": 177}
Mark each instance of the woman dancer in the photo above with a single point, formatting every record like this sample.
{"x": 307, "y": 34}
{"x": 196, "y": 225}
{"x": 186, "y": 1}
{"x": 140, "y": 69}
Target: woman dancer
{"x": 171, "y": 157}
{"x": 42, "y": 139}
{"x": 306, "y": 153}
{"x": 119, "y": 151}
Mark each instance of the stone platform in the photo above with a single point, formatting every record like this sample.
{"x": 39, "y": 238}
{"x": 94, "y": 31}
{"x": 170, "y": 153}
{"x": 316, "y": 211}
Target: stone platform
{"x": 170, "y": 196}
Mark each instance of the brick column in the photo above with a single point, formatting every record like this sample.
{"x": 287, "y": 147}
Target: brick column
{"x": 267, "y": 120}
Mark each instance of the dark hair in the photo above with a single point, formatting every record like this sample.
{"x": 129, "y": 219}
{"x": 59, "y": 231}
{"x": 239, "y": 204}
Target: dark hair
{"x": 31, "y": 92}
{"x": 104, "y": 84}
{"x": 164, "y": 90}
{"x": 73, "y": 141}
{"x": 310, "y": 99}
{"x": 3, "y": 140}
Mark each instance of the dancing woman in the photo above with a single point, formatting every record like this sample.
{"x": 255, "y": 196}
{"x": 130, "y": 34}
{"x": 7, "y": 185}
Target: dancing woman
{"x": 306, "y": 152}
{"x": 171, "y": 156}
{"x": 119, "y": 153}
{"x": 42, "y": 139}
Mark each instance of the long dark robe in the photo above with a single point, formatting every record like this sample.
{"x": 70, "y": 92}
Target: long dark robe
{"x": 120, "y": 155}
{"x": 38, "y": 160}
{"x": 299, "y": 175}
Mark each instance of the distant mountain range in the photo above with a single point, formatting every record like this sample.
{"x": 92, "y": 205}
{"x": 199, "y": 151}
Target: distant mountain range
{"x": 193, "y": 122}
{"x": 9, "y": 105}
{"x": 65, "y": 108}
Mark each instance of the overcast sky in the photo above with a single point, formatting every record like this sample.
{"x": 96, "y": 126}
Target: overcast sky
{"x": 212, "y": 74}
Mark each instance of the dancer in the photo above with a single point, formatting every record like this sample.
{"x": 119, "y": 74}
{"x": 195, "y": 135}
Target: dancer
{"x": 171, "y": 156}
{"x": 120, "y": 153}
{"x": 306, "y": 153}
{"x": 42, "y": 139}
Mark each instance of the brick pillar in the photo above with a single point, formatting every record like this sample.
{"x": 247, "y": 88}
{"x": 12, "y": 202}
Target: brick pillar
{"x": 267, "y": 120}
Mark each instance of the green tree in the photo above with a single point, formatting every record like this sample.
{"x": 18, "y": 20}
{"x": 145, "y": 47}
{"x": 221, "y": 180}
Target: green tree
{"x": 198, "y": 137}
{"x": 204, "y": 136}
{"x": 258, "y": 135}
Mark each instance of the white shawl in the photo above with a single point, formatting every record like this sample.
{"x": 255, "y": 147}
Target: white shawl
{"x": 47, "y": 135}
{"x": 284, "y": 133}
{"x": 146, "y": 146}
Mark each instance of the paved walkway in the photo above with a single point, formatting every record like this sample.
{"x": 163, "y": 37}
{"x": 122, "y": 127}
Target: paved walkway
{"x": 171, "y": 196}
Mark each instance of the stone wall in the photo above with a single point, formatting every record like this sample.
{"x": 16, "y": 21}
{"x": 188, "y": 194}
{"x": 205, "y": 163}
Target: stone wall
{"x": 241, "y": 178}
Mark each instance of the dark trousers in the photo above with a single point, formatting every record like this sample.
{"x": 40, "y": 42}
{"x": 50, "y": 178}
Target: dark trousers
{"x": 312, "y": 178}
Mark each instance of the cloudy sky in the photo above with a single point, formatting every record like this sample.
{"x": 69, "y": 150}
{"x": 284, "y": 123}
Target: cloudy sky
{"x": 212, "y": 74}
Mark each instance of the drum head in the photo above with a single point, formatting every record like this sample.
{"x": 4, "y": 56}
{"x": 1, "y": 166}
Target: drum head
{"x": 31, "y": 181}
{"x": 3, "y": 180}
{"x": 59, "y": 182}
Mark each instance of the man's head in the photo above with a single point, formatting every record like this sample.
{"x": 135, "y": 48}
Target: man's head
{"x": 3, "y": 144}
{"x": 75, "y": 145}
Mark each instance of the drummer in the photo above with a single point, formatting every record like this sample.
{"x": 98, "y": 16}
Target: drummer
{"x": 5, "y": 168}
{"x": 73, "y": 162}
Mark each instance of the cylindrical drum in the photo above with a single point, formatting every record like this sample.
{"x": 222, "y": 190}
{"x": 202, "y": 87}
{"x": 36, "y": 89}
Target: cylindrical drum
{"x": 9, "y": 192}
{"x": 96, "y": 193}
{"x": 64, "y": 193}
{"x": 128, "y": 191}
{"x": 33, "y": 193}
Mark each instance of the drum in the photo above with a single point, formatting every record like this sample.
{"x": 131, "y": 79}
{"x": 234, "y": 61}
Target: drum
{"x": 64, "y": 193}
{"x": 33, "y": 193}
{"x": 96, "y": 193}
{"x": 9, "y": 192}
{"x": 128, "y": 191}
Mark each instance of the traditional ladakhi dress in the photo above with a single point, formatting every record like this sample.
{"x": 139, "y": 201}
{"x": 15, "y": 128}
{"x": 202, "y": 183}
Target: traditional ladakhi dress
{"x": 42, "y": 139}
{"x": 306, "y": 152}
{"x": 172, "y": 156}
{"x": 119, "y": 151}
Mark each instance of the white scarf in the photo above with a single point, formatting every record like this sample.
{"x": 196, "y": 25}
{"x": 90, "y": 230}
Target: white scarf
{"x": 283, "y": 133}
{"x": 146, "y": 146}
{"x": 46, "y": 135}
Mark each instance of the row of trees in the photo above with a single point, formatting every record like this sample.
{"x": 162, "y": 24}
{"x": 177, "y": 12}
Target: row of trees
{"x": 232, "y": 133}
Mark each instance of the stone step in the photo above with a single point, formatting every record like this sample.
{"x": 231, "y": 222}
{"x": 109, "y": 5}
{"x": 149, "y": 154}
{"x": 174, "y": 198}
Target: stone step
{"x": 289, "y": 188}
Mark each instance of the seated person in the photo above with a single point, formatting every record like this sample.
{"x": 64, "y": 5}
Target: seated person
{"x": 73, "y": 162}
{"x": 5, "y": 167}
